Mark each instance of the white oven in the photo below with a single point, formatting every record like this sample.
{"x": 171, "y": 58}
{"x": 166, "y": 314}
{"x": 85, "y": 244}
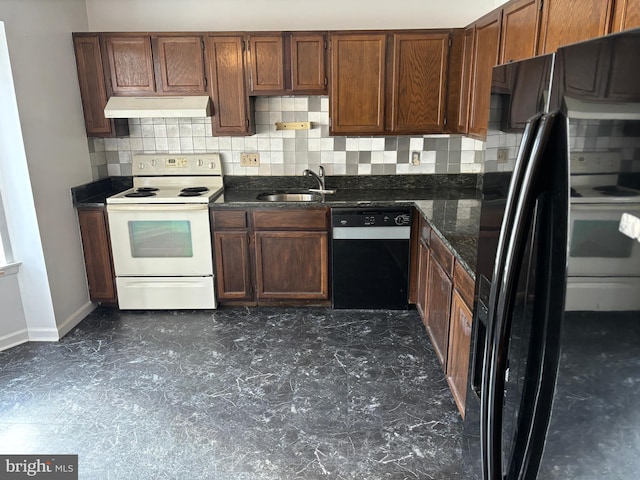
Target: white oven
{"x": 160, "y": 233}
{"x": 602, "y": 262}
{"x": 596, "y": 246}
{"x": 160, "y": 240}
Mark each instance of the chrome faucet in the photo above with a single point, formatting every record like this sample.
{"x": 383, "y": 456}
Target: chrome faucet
{"x": 318, "y": 176}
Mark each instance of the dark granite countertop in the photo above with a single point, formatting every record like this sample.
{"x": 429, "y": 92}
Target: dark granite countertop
{"x": 94, "y": 194}
{"x": 450, "y": 203}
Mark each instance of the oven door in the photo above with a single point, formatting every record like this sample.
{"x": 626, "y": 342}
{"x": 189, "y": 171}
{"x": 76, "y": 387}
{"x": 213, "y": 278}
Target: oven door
{"x": 602, "y": 262}
{"x": 596, "y": 246}
{"x": 160, "y": 240}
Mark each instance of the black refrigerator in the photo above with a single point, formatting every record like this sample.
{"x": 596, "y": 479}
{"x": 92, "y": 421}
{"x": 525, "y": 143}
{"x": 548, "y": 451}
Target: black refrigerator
{"x": 554, "y": 371}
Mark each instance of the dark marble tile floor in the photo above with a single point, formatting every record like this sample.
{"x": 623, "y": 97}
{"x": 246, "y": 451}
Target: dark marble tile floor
{"x": 243, "y": 393}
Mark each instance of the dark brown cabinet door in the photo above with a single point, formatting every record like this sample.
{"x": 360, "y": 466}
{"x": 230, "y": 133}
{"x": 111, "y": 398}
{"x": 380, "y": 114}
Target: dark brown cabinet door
{"x": 466, "y": 80}
{"x": 266, "y": 64}
{"x": 231, "y": 112}
{"x": 292, "y": 265}
{"x": 130, "y": 64}
{"x": 308, "y": 63}
{"x": 570, "y": 21}
{"x": 423, "y": 281}
{"x": 622, "y": 87}
{"x": 92, "y": 87}
{"x": 357, "y": 83}
{"x": 419, "y": 82}
{"x": 179, "y": 64}
{"x": 485, "y": 55}
{"x": 459, "y": 345}
{"x": 94, "y": 234}
{"x": 233, "y": 265}
{"x": 438, "y": 309}
{"x": 520, "y": 27}
{"x": 626, "y": 15}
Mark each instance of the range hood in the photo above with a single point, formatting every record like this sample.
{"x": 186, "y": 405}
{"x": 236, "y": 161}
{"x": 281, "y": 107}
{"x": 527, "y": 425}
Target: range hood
{"x": 582, "y": 109}
{"x": 139, "y": 107}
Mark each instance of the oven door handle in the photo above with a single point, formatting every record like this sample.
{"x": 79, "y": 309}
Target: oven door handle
{"x": 157, "y": 207}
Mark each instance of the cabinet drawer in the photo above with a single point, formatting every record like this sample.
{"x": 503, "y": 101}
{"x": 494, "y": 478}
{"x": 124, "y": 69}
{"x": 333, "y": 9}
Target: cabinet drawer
{"x": 442, "y": 254}
{"x": 291, "y": 219}
{"x": 229, "y": 219}
{"x": 463, "y": 283}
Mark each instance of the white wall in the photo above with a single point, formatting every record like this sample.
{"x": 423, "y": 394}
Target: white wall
{"x": 244, "y": 15}
{"x": 57, "y": 158}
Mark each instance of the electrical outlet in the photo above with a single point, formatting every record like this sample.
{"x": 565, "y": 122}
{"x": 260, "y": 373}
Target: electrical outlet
{"x": 415, "y": 158}
{"x": 503, "y": 155}
{"x": 249, "y": 159}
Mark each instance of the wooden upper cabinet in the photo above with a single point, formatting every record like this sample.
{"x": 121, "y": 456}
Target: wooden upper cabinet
{"x": 225, "y": 66}
{"x": 308, "y": 63}
{"x": 179, "y": 64}
{"x": 130, "y": 64}
{"x": 626, "y": 15}
{"x": 571, "y": 21}
{"x": 486, "y": 53}
{"x": 166, "y": 64}
{"x": 93, "y": 91}
{"x": 266, "y": 63}
{"x": 461, "y": 79}
{"x": 520, "y": 27}
{"x": 419, "y": 82}
{"x": 622, "y": 85}
{"x": 602, "y": 70}
{"x": 357, "y": 83}
{"x": 287, "y": 63}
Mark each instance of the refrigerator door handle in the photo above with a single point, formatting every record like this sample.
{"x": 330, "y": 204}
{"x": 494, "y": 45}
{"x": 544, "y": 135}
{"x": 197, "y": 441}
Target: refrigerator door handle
{"x": 548, "y": 309}
{"x": 524, "y": 153}
{"x": 511, "y": 246}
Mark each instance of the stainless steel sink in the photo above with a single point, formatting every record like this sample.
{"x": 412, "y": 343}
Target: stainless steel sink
{"x": 289, "y": 197}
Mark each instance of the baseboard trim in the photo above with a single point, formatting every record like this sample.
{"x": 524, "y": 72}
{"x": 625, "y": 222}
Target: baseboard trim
{"x": 14, "y": 338}
{"x": 75, "y": 318}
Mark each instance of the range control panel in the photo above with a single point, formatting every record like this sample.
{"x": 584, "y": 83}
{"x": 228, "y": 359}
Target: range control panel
{"x": 190, "y": 164}
{"x": 370, "y": 217}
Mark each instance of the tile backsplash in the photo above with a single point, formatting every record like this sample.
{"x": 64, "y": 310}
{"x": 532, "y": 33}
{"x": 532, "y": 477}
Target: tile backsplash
{"x": 588, "y": 135}
{"x": 288, "y": 152}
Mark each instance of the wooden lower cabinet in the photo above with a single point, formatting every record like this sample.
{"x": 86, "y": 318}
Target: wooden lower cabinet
{"x": 292, "y": 265}
{"x": 233, "y": 265}
{"x": 443, "y": 296}
{"x": 459, "y": 344}
{"x": 438, "y": 309}
{"x": 271, "y": 256}
{"x": 423, "y": 279}
{"x": 94, "y": 233}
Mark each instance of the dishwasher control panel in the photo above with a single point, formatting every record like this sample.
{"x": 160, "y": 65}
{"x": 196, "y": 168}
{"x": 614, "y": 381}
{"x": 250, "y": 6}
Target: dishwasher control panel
{"x": 370, "y": 217}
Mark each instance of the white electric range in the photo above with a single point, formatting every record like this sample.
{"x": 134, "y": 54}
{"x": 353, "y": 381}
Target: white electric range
{"x": 603, "y": 261}
{"x": 160, "y": 232}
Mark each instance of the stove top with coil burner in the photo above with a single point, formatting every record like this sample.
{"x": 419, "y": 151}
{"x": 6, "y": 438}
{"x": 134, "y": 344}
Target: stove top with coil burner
{"x": 166, "y": 178}
{"x": 595, "y": 178}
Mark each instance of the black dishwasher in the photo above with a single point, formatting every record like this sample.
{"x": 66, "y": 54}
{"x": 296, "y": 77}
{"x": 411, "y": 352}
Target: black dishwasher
{"x": 370, "y": 257}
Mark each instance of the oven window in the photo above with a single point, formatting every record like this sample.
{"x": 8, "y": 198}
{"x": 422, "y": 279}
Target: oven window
{"x": 161, "y": 238}
{"x": 599, "y": 239}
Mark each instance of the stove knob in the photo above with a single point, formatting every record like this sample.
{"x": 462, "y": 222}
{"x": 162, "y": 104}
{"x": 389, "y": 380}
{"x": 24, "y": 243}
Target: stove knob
{"x": 140, "y": 166}
{"x": 153, "y": 162}
{"x": 212, "y": 165}
{"x": 200, "y": 162}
